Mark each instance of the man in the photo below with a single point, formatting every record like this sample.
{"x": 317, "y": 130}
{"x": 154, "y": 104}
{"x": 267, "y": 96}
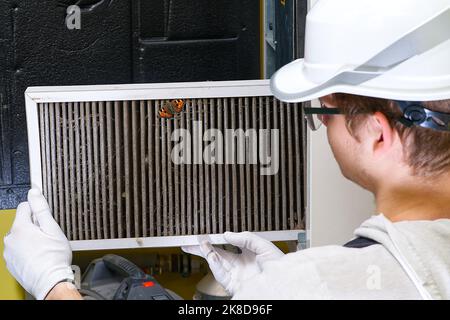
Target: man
{"x": 382, "y": 72}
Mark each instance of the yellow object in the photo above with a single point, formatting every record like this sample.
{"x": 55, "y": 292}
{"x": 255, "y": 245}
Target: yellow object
{"x": 9, "y": 288}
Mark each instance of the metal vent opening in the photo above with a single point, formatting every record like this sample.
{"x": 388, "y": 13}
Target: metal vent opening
{"x": 107, "y": 170}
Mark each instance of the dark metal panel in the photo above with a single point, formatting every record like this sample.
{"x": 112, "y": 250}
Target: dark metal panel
{"x": 5, "y": 160}
{"x": 196, "y": 41}
{"x": 284, "y": 32}
{"x": 301, "y": 9}
{"x": 36, "y": 48}
{"x": 6, "y": 35}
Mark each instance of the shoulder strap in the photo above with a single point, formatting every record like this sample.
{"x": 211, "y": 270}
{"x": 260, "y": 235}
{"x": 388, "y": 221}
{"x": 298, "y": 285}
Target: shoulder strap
{"x": 360, "y": 242}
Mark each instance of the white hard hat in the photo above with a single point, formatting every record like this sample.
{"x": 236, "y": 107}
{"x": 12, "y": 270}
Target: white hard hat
{"x": 392, "y": 49}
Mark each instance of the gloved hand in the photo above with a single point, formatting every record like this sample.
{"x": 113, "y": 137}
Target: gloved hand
{"x": 37, "y": 255}
{"x": 231, "y": 269}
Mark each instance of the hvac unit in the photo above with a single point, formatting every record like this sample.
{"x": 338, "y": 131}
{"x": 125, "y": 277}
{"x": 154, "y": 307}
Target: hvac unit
{"x": 104, "y": 159}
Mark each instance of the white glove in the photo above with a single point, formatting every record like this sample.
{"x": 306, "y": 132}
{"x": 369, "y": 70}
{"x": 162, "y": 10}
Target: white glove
{"x": 231, "y": 269}
{"x": 38, "y": 256}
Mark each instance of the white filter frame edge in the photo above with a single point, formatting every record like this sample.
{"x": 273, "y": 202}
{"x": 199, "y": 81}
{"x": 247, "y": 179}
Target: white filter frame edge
{"x": 172, "y": 241}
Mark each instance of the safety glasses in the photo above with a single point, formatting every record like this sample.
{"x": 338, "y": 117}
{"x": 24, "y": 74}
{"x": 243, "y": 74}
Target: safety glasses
{"x": 315, "y": 117}
{"x": 414, "y": 114}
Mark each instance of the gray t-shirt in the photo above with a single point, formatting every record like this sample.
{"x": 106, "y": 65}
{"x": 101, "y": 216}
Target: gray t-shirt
{"x": 412, "y": 261}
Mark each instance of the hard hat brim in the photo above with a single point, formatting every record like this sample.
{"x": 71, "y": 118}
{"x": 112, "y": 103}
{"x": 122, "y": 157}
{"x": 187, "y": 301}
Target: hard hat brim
{"x": 291, "y": 84}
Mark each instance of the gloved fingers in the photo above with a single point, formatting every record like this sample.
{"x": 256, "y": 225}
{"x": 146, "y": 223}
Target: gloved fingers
{"x": 227, "y": 257}
{"x": 42, "y": 214}
{"x": 195, "y": 250}
{"x": 212, "y": 256}
{"x": 23, "y": 215}
{"x": 206, "y": 248}
{"x": 198, "y": 251}
{"x": 220, "y": 269}
{"x": 252, "y": 242}
{"x": 227, "y": 260}
{"x": 220, "y": 259}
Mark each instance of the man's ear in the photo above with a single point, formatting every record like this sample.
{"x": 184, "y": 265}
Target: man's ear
{"x": 381, "y": 133}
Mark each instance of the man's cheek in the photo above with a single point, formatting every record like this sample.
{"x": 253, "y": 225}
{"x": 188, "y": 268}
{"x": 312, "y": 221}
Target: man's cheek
{"x": 339, "y": 144}
{"x": 332, "y": 141}
{"x": 333, "y": 135}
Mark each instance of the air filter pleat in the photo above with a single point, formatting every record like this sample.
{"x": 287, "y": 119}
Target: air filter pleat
{"x": 256, "y": 201}
{"x": 102, "y": 172}
{"x": 284, "y": 169}
{"x": 276, "y": 185}
{"x": 158, "y": 171}
{"x": 84, "y": 171}
{"x": 201, "y": 190}
{"x": 183, "y": 188}
{"x": 229, "y": 210}
{"x": 213, "y": 168}
{"x": 151, "y": 165}
{"x": 72, "y": 172}
{"x": 78, "y": 203}
{"x": 250, "y": 151}
{"x": 298, "y": 161}
{"x": 90, "y": 167}
{"x": 207, "y": 173}
{"x": 96, "y": 169}
{"x": 44, "y": 147}
{"x": 232, "y": 156}
{"x": 221, "y": 184}
{"x": 110, "y": 169}
{"x": 54, "y": 180}
{"x": 271, "y": 217}
{"x": 241, "y": 154}
{"x": 66, "y": 161}
{"x": 189, "y": 181}
{"x": 290, "y": 169}
{"x": 135, "y": 166}
{"x": 169, "y": 207}
{"x": 118, "y": 169}
{"x": 195, "y": 171}
{"x": 176, "y": 188}
{"x": 264, "y": 152}
{"x": 142, "y": 134}
{"x": 47, "y": 163}
{"x": 163, "y": 160}
{"x": 59, "y": 163}
{"x": 127, "y": 167}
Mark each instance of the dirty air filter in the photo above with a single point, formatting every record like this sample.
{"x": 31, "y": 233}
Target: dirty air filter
{"x": 113, "y": 169}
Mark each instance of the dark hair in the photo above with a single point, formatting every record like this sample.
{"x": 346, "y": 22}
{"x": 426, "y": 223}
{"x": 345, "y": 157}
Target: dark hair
{"x": 427, "y": 151}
